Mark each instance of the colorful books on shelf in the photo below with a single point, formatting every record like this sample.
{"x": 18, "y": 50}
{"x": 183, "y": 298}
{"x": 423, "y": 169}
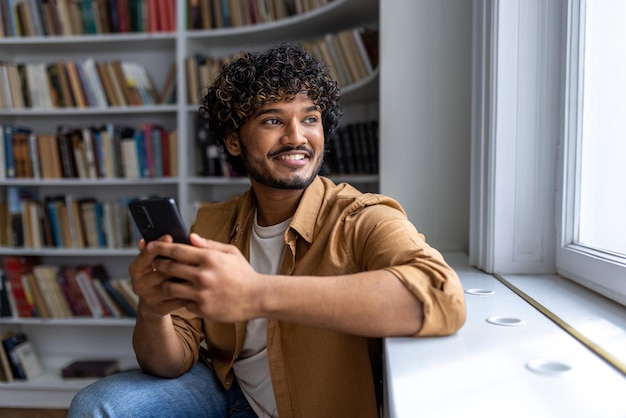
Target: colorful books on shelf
{"x": 94, "y": 152}
{"x": 15, "y": 268}
{"x": 63, "y": 221}
{"x": 35, "y": 290}
{"x": 214, "y": 14}
{"x": 25, "y": 18}
{"x": 351, "y": 55}
{"x": 82, "y": 83}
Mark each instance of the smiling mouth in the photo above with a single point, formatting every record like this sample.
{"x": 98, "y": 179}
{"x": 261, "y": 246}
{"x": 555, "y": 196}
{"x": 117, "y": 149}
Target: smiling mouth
{"x": 292, "y": 157}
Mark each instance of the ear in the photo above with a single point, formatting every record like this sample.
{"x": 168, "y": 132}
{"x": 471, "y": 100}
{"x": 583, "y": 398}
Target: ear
{"x": 232, "y": 144}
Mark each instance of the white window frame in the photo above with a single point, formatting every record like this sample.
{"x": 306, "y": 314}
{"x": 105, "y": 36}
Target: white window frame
{"x": 525, "y": 101}
{"x": 600, "y": 271}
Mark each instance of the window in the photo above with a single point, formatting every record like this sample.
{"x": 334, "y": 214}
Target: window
{"x": 592, "y": 245}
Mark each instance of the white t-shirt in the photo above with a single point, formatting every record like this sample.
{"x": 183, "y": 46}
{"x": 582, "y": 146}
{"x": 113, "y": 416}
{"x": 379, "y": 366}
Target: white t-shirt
{"x": 267, "y": 247}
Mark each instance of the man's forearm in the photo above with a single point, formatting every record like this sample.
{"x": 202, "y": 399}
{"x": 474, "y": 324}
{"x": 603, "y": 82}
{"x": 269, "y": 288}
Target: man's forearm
{"x": 157, "y": 346}
{"x": 374, "y": 304}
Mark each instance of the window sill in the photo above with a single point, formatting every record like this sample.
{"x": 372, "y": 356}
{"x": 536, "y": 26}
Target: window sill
{"x": 495, "y": 370}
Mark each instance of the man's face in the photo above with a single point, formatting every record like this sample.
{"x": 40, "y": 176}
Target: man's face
{"x": 282, "y": 144}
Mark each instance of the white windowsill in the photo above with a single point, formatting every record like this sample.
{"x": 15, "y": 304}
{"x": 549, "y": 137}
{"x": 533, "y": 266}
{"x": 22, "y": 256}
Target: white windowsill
{"x": 483, "y": 370}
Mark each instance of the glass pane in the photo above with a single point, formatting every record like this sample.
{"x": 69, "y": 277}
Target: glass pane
{"x": 602, "y": 205}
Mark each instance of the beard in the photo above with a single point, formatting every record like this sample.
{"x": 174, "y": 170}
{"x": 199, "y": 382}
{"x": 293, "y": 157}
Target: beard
{"x": 258, "y": 171}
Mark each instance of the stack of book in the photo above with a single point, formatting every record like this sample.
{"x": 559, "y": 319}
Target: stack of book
{"x": 34, "y": 290}
{"x": 214, "y": 14}
{"x": 85, "y": 17}
{"x": 107, "y": 151}
{"x": 18, "y": 359}
{"x": 354, "y": 150}
{"x": 79, "y": 84}
{"x": 351, "y": 55}
{"x": 64, "y": 221}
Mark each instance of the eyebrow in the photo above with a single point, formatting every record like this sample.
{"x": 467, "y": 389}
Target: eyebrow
{"x": 273, "y": 110}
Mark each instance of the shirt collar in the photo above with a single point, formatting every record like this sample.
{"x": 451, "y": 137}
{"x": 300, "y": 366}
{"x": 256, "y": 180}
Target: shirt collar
{"x": 304, "y": 220}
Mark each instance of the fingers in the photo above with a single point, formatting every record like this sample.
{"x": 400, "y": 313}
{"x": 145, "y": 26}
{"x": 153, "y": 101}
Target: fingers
{"x": 197, "y": 241}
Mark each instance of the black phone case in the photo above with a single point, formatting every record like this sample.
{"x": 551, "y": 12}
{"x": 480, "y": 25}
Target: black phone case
{"x": 157, "y": 216}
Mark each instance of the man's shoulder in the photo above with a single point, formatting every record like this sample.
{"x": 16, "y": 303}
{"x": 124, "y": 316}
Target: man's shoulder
{"x": 349, "y": 199}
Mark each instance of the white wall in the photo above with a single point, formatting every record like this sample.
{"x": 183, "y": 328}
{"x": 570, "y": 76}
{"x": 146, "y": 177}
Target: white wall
{"x": 425, "y": 121}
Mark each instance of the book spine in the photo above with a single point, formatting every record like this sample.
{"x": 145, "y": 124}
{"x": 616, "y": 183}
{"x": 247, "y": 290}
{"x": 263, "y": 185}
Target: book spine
{"x": 8, "y": 151}
{"x": 89, "y": 293}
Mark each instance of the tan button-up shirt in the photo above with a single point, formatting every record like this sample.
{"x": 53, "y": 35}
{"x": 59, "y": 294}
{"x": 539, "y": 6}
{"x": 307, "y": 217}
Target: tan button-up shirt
{"x": 335, "y": 230}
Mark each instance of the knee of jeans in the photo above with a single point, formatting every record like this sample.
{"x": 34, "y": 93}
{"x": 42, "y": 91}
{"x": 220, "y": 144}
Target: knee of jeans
{"x": 84, "y": 404}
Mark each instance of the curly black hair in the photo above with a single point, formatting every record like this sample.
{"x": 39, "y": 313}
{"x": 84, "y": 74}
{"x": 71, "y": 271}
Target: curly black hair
{"x": 250, "y": 81}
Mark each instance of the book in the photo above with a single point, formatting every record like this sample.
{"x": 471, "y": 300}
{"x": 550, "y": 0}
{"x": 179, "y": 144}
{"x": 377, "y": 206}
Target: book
{"x": 88, "y": 215}
{"x": 168, "y": 94}
{"x": 130, "y": 156}
{"x": 50, "y": 160}
{"x": 6, "y": 373}
{"x": 73, "y": 294}
{"x": 90, "y": 368}
{"x": 107, "y": 84}
{"x": 123, "y": 286}
{"x": 46, "y": 276}
{"x": 84, "y": 280}
{"x": 52, "y": 206}
{"x": 8, "y": 151}
{"x": 23, "y": 361}
{"x": 17, "y": 97}
{"x": 41, "y": 308}
{"x": 21, "y": 153}
{"x": 75, "y": 84}
{"x": 116, "y": 84}
{"x": 5, "y": 305}
{"x": 10, "y": 341}
{"x": 66, "y": 153}
{"x": 109, "y": 160}
{"x": 29, "y": 360}
{"x": 99, "y": 275}
{"x": 51, "y": 20}
{"x": 172, "y": 141}
{"x": 16, "y": 196}
{"x": 6, "y": 100}
{"x": 123, "y": 303}
{"x": 33, "y": 156}
{"x": 66, "y": 98}
{"x": 93, "y": 82}
{"x": 193, "y": 82}
{"x": 38, "y": 85}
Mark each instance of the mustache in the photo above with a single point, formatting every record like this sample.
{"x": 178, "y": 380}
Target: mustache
{"x": 300, "y": 148}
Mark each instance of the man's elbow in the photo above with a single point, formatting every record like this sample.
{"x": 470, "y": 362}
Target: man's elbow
{"x": 441, "y": 318}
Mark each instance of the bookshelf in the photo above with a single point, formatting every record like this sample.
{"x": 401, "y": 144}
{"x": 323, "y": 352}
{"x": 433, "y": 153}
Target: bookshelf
{"x": 57, "y": 341}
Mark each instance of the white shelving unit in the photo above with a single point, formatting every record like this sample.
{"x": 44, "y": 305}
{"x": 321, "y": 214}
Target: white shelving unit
{"x": 59, "y": 341}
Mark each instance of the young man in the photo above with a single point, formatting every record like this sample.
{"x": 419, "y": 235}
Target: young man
{"x": 289, "y": 287}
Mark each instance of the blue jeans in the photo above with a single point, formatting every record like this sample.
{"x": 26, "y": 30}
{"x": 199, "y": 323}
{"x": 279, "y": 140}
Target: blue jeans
{"x": 197, "y": 393}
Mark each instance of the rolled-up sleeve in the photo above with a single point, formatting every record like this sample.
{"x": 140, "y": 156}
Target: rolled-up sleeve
{"x": 392, "y": 242}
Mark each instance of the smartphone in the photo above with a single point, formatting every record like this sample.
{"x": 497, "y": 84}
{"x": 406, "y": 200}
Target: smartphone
{"x": 157, "y": 216}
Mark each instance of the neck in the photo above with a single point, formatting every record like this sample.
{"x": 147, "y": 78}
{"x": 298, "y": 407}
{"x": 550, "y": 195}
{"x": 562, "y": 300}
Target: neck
{"x": 275, "y": 205}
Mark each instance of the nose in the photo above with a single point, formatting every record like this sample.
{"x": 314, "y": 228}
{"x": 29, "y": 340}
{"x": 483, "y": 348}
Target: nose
{"x": 294, "y": 134}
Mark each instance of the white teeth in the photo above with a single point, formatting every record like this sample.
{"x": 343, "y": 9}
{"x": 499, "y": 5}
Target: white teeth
{"x": 292, "y": 157}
